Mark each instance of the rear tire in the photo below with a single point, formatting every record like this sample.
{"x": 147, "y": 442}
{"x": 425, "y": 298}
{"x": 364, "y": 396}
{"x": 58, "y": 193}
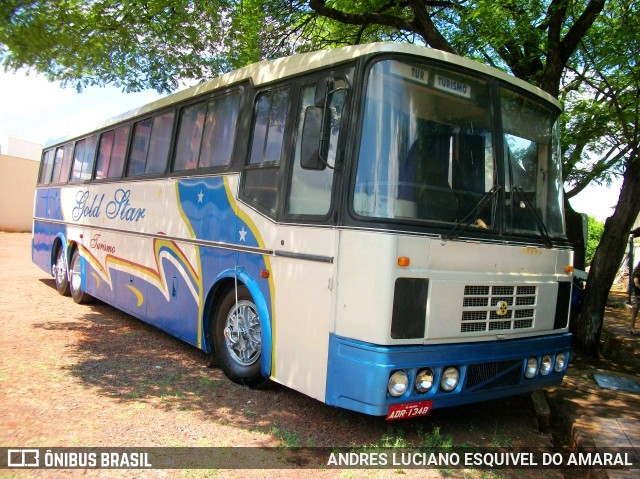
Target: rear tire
{"x": 237, "y": 339}
{"x": 78, "y": 295}
{"x": 59, "y": 271}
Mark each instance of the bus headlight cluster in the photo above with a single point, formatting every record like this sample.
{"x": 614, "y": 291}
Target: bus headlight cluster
{"x": 545, "y": 365}
{"x": 425, "y": 379}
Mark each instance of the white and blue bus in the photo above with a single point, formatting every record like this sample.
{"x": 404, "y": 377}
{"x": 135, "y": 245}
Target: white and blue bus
{"x": 378, "y": 226}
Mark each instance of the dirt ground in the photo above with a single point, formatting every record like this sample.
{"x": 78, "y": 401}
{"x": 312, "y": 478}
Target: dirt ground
{"x": 92, "y": 376}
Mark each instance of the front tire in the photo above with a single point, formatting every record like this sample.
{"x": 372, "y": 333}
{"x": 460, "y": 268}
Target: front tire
{"x": 78, "y": 295}
{"x": 237, "y": 338}
{"x": 59, "y": 271}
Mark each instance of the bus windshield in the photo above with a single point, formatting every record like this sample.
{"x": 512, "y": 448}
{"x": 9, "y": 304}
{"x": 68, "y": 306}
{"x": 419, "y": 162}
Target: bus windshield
{"x": 427, "y": 152}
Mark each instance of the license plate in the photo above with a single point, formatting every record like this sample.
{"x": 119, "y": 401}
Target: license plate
{"x": 406, "y": 411}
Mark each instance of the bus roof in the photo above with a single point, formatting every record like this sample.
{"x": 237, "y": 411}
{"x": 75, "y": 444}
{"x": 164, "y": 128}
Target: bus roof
{"x": 268, "y": 71}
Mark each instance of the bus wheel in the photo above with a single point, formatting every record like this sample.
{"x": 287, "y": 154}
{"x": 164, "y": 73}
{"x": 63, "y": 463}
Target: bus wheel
{"x": 59, "y": 271}
{"x": 77, "y": 294}
{"x": 238, "y": 344}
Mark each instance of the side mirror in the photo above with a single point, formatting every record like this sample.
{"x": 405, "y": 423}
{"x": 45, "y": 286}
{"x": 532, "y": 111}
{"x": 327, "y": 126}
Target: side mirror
{"x": 310, "y": 154}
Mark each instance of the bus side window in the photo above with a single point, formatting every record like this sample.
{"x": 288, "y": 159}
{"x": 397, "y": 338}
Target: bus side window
{"x": 46, "y": 168}
{"x": 113, "y": 146}
{"x": 159, "y": 144}
{"x": 57, "y": 165}
{"x": 61, "y": 163}
{"x": 310, "y": 192}
{"x": 220, "y": 131}
{"x": 262, "y": 172}
{"x": 150, "y": 145}
{"x": 189, "y": 137}
{"x": 83, "y": 158}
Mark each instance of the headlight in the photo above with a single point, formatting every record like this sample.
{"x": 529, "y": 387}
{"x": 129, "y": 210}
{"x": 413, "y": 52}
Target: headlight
{"x": 450, "y": 378}
{"x": 424, "y": 380}
{"x": 398, "y": 384}
{"x": 545, "y": 365}
{"x": 532, "y": 368}
{"x": 561, "y": 362}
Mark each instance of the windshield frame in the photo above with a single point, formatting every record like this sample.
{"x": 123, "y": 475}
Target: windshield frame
{"x": 437, "y": 228}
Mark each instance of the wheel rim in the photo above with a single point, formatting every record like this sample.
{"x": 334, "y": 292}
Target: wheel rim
{"x": 242, "y": 333}
{"x": 61, "y": 269}
{"x": 76, "y": 277}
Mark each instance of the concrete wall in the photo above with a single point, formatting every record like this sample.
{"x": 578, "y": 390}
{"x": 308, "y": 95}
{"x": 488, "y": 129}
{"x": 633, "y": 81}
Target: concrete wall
{"x": 18, "y": 178}
{"x": 23, "y": 149}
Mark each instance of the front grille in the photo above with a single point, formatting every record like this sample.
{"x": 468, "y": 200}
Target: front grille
{"x": 498, "y": 308}
{"x": 496, "y": 375}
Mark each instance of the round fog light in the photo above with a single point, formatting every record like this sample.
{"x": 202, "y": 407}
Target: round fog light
{"x": 561, "y": 361}
{"x": 545, "y": 365}
{"x": 450, "y": 378}
{"x": 398, "y": 384}
{"x": 424, "y": 380}
{"x": 532, "y": 368}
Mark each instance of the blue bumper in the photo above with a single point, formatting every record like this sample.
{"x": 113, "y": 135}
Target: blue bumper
{"x": 358, "y": 372}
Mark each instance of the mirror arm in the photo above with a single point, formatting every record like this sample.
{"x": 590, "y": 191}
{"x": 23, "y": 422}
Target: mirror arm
{"x": 322, "y": 131}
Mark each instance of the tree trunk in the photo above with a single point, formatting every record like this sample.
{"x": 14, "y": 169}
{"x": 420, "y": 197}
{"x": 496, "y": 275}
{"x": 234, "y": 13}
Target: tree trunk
{"x": 604, "y": 267}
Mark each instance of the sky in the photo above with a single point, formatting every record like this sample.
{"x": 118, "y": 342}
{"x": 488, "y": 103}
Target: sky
{"x": 33, "y": 109}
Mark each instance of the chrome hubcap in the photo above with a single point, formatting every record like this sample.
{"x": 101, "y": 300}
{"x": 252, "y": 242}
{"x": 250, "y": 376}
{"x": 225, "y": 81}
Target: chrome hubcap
{"x": 242, "y": 333}
{"x": 60, "y": 269}
{"x": 76, "y": 277}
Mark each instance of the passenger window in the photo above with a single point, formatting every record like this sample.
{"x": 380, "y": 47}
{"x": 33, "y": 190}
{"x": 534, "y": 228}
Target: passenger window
{"x": 46, "y": 168}
{"x": 63, "y": 175}
{"x": 159, "y": 144}
{"x": 83, "y": 158}
{"x": 262, "y": 172}
{"x": 190, "y": 137}
{"x": 207, "y": 134}
{"x": 61, "y": 164}
{"x": 310, "y": 192}
{"x": 111, "y": 153}
{"x": 57, "y": 165}
{"x": 139, "y": 148}
{"x": 220, "y": 131}
{"x": 150, "y": 145}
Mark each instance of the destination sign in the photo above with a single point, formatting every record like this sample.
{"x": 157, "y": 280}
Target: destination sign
{"x": 411, "y": 72}
{"x": 452, "y": 86}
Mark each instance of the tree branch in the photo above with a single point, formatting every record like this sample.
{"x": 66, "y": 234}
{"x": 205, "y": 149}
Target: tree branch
{"x": 426, "y": 28}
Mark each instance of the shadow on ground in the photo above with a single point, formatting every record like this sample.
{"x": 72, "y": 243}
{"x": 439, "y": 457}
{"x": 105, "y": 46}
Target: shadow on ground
{"x": 130, "y": 361}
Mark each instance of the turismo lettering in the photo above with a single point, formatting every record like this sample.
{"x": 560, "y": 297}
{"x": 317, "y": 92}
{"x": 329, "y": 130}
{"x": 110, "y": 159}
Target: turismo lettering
{"x": 117, "y": 208}
{"x": 96, "y": 244}
{"x": 452, "y": 86}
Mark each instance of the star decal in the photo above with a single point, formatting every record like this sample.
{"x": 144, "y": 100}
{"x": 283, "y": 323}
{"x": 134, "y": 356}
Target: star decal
{"x": 200, "y": 196}
{"x": 243, "y": 234}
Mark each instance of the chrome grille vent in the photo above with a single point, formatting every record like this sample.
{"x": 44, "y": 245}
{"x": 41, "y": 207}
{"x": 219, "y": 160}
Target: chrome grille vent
{"x": 498, "y": 308}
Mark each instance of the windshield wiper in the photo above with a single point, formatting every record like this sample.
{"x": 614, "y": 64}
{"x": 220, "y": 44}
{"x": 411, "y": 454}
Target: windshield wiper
{"x": 546, "y": 240}
{"x": 473, "y": 214}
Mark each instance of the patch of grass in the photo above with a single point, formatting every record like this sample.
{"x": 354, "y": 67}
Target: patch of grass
{"x": 436, "y": 439}
{"x": 492, "y": 475}
{"x": 288, "y": 438}
{"x": 209, "y": 383}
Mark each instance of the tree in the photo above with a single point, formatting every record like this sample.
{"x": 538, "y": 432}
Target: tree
{"x": 610, "y": 70}
{"x": 134, "y": 45}
{"x": 595, "y": 230}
